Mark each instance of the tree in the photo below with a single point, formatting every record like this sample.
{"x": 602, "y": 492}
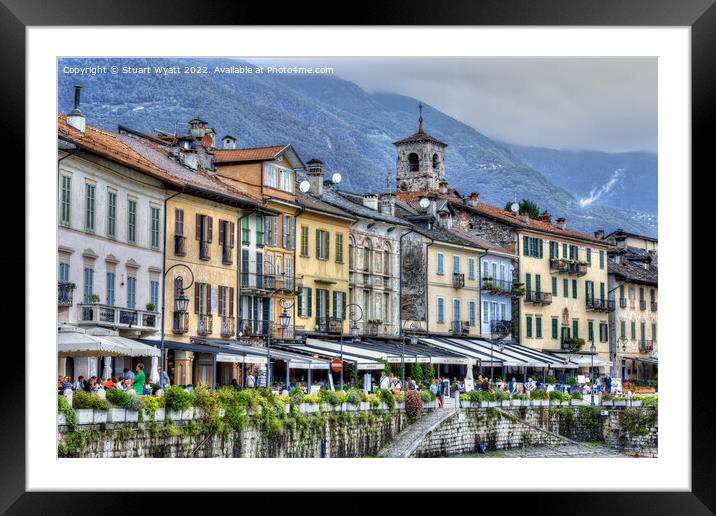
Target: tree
{"x": 386, "y": 368}
{"x": 529, "y": 207}
{"x": 429, "y": 373}
{"x": 418, "y": 373}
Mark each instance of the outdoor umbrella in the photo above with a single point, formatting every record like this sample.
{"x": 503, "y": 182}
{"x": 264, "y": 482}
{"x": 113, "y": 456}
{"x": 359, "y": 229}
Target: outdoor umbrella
{"x": 154, "y": 374}
{"x": 107, "y": 371}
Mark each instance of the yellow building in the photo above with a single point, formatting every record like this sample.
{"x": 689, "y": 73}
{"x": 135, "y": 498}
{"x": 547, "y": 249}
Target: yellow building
{"x": 566, "y": 302}
{"x": 322, "y": 261}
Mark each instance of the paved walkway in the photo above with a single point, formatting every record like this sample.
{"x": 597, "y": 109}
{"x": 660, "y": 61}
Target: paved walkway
{"x": 407, "y": 441}
{"x": 565, "y": 452}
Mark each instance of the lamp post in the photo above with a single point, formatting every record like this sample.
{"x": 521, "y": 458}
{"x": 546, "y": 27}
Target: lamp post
{"x": 351, "y": 308}
{"x": 623, "y": 340}
{"x": 284, "y": 319}
{"x": 181, "y": 303}
{"x": 593, "y": 350}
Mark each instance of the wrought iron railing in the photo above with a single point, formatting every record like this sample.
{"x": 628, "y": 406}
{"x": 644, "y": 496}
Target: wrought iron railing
{"x": 646, "y": 346}
{"x": 653, "y": 306}
{"x": 501, "y": 327}
{"x": 577, "y": 269}
{"x": 263, "y": 328}
{"x": 117, "y": 317}
{"x": 642, "y": 305}
{"x": 179, "y": 245}
{"x": 375, "y": 329}
{"x": 458, "y": 280}
{"x": 226, "y": 255}
{"x": 65, "y": 293}
{"x": 329, "y": 325}
{"x": 269, "y": 282}
{"x": 493, "y": 286}
{"x": 600, "y": 305}
{"x": 460, "y": 327}
{"x": 181, "y": 322}
{"x": 204, "y": 324}
{"x": 228, "y": 326}
{"x": 558, "y": 265}
{"x": 542, "y": 298}
{"x": 622, "y": 302}
{"x": 204, "y": 250}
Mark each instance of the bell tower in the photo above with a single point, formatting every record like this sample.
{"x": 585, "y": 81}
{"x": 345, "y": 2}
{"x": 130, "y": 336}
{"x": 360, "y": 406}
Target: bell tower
{"x": 421, "y": 160}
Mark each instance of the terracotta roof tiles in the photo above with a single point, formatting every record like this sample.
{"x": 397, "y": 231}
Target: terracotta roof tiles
{"x": 248, "y": 154}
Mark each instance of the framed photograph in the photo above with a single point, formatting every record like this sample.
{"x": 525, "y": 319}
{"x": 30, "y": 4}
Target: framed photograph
{"x": 434, "y": 234}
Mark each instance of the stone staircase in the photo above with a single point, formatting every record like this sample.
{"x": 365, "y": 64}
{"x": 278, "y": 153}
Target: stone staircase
{"x": 407, "y": 441}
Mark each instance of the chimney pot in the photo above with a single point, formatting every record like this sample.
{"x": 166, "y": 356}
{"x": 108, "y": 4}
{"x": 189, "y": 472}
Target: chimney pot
{"x": 473, "y": 199}
{"x": 76, "y": 119}
{"x": 370, "y": 201}
{"x": 443, "y": 186}
{"x": 315, "y": 176}
{"x": 525, "y": 217}
{"x": 599, "y": 234}
{"x": 561, "y": 223}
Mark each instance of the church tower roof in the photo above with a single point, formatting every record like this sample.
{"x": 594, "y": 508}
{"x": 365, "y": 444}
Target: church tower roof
{"x": 421, "y": 136}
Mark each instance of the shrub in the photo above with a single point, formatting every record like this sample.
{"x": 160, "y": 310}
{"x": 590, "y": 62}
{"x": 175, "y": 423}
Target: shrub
{"x": 571, "y": 380}
{"x": 118, "y": 398}
{"x": 150, "y": 404}
{"x": 539, "y": 394}
{"x": 413, "y": 405}
{"x": 386, "y": 397}
{"x": 650, "y": 401}
{"x": 520, "y": 396}
{"x": 64, "y": 406}
{"x": 331, "y": 397}
{"x": 85, "y": 400}
{"x": 427, "y": 396}
{"x": 576, "y": 395}
{"x": 607, "y": 397}
{"x": 501, "y": 395}
{"x": 176, "y": 398}
{"x": 135, "y": 402}
{"x": 206, "y": 400}
{"x": 295, "y": 396}
{"x": 551, "y": 380}
{"x": 429, "y": 374}
{"x": 311, "y": 398}
{"x": 400, "y": 398}
{"x": 418, "y": 373}
{"x": 342, "y": 397}
{"x": 353, "y": 397}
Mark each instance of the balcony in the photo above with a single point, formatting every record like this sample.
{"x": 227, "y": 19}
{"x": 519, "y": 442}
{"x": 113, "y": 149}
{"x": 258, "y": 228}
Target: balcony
{"x": 266, "y": 283}
{"x": 226, "y": 255}
{"x": 558, "y": 265}
{"x": 653, "y": 306}
{"x": 577, "y": 269}
{"x": 642, "y": 305}
{"x": 377, "y": 328}
{"x": 329, "y": 325}
{"x": 622, "y": 302}
{"x": 646, "y": 346}
{"x": 109, "y": 316}
{"x": 263, "y": 328}
{"x": 600, "y": 305}
{"x": 498, "y": 327}
{"x": 181, "y": 322}
{"x": 65, "y": 293}
{"x": 204, "y": 324}
{"x": 228, "y": 327}
{"x": 204, "y": 250}
{"x": 571, "y": 344}
{"x": 460, "y": 327}
{"x": 179, "y": 245}
{"x": 458, "y": 280}
{"x": 497, "y": 287}
{"x": 538, "y": 298}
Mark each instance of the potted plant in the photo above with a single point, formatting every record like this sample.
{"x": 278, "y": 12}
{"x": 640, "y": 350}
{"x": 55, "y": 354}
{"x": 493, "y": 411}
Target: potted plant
{"x": 120, "y": 402}
{"x": 556, "y": 397}
{"x": 83, "y": 404}
{"x": 576, "y": 398}
{"x": 607, "y": 400}
{"x": 150, "y": 307}
{"x": 620, "y": 401}
{"x": 636, "y": 400}
{"x": 179, "y": 403}
{"x": 502, "y": 398}
{"x": 94, "y": 298}
{"x": 135, "y": 403}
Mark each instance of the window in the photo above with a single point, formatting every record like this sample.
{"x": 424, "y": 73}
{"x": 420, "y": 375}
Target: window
{"x": 386, "y": 262}
{"x": 589, "y": 257}
{"x": 155, "y": 226}
{"x": 287, "y": 181}
{"x": 131, "y": 291}
{"x": 529, "y": 325}
{"x": 573, "y": 252}
{"x": 271, "y": 175}
{"x": 456, "y": 310}
{"x": 339, "y": 247}
{"x": 179, "y": 222}
{"x": 455, "y": 264}
{"x": 590, "y": 331}
{"x": 575, "y": 329}
{"x": 653, "y": 331}
{"x": 64, "y": 272}
{"x": 323, "y": 240}
{"x": 413, "y": 162}
{"x": 554, "y": 286}
{"x": 132, "y": 221}
{"x": 532, "y": 246}
{"x": 110, "y": 288}
{"x": 351, "y": 254}
{"x": 288, "y": 270}
{"x": 555, "y": 328}
{"x": 538, "y": 327}
{"x": 302, "y": 299}
{"x": 633, "y": 330}
{"x": 574, "y": 288}
{"x": 111, "y": 214}
{"x": 245, "y": 231}
{"x": 386, "y": 305}
{"x": 89, "y": 284}
{"x": 603, "y": 332}
{"x": 471, "y": 268}
{"x": 441, "y": 310}
{"x": 471, "y": 311}
{"x": 622, "y": 329}
{"x": 601, "y": 259}
{"x": 485, "y": 311}
{"x": 304, "y": 240}
{"x": 288, "y": 240}
{"x": 259, "y": 230}
{"x": 601, "y": 291}
{"x": 441, "y": 264}
{"x": 565, "y": 250}
{"x": 538, "y": 283}
{"x": 89, "y": 206}
{"x": 154, "y": 293}
{"x": 554, "y": 249}
{"x": 565, "y": 287}
{"x": 66, "y": 199}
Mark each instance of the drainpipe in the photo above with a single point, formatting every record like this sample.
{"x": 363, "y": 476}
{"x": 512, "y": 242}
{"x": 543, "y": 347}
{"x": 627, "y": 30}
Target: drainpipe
{"x": 164, "y": 281}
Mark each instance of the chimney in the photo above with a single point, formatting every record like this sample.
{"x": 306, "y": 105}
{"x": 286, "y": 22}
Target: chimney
{"x": 228, "y": 142}
{"x": 545, "y": 218}
{"x": 562, "y": 223}
{"x": 315, "y": 176}
{"x": 443, "y": 186}
{"x": 387, "y": 204}
{"x": 473, "y": 200}
{"x": 525, "y": 217}
{"x": 76, "y": 119}
{"x": 370, "y": 201}
{"x": 599, "y": 234}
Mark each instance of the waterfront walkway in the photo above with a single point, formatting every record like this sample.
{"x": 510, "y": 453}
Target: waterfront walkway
{"x": 569, "y": 451}
{"x": 407, "y": 441}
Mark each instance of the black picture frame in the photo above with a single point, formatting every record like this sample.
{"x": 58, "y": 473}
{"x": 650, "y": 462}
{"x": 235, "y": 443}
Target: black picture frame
{"x": 700, "y": 15}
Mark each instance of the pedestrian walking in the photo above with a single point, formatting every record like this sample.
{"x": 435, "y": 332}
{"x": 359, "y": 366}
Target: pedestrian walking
{"x": 513, "y": 385}
{"x": 440, "y": 392}
{"x": 250, "y": 380}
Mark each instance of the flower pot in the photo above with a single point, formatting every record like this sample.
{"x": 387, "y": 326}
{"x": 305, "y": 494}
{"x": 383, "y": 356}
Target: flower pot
{"x": 189, "y": 413}
{"x": 116, "y": 415}
{"x": 173, "y": 415}
{"x": 620, "y": 403}
{"x": 636, "y": 403}
{"x": 516, "y": 403}
{"x": 61, "y": 418}
{"x": 84, "y": 416}
{"x": 364, "y": 405}
{"x": 607, "y": 403}
{"x": 132, "y": 416}
{"x": 100, "y": 416}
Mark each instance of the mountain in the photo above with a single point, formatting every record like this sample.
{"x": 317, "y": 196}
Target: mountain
{"x": 325, "y": 117}
{"x": 621, "y": 180}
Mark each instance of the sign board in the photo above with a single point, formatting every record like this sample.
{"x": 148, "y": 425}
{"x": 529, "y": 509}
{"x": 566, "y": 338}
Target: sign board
{"x": 336, "y": 365}
{"x": 469, "y": 385}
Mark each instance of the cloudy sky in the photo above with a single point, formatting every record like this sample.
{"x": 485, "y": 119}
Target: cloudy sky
{"x": 607, "y": 104}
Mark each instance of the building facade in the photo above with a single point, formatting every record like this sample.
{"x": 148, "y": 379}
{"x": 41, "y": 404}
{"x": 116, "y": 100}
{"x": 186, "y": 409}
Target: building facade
{"x": 110, "y": 239}
{"x": 497, "y": 277}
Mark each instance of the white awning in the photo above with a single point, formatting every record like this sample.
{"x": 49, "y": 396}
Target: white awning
{"x": 76, "y": 344}
{"x": 240, "y": 359}
{"x": 327, "y": 349}
{"x": 134, "y": 348}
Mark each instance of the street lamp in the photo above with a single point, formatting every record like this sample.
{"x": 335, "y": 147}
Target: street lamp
{"x": 181, "y": 303}
{"x": 354, "y": 330}
{"x": 284, "y": 321}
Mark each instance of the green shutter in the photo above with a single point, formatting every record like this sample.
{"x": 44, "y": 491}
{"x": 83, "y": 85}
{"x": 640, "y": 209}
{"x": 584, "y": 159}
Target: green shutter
{"x": 538, "y": 327}
{"x": 529, "y": 326}
{"x": 538, "y": 283}
{"x": 343, "y": 305}
{"x": 318, "y": 243}
{"x": 328, "y": 246}
{"x": 601, "y": 259}
{"x": 555, "y": 333}
{"x": 309, "y": 301}
{"x": 525, "y": 245}
{"x": 575, "y": 329}
{"x": 565, "y": 287}
{"x": 554, "y": 286}
{"x": 590, "y": 331}
{"x": 335, "y": 304}
{"x": 540, "y": 248}
{"x": 528, "y": 282}
{"x": 601, "y": 291}
{"x": 589, "y": 257}
{"x": 574, "y": 288}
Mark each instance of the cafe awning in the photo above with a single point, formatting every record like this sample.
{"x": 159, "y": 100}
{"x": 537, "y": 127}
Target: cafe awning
{"x": 328, "y": 350}
{"x": 80, "y": 344}
{"x": 582, "y": 360}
